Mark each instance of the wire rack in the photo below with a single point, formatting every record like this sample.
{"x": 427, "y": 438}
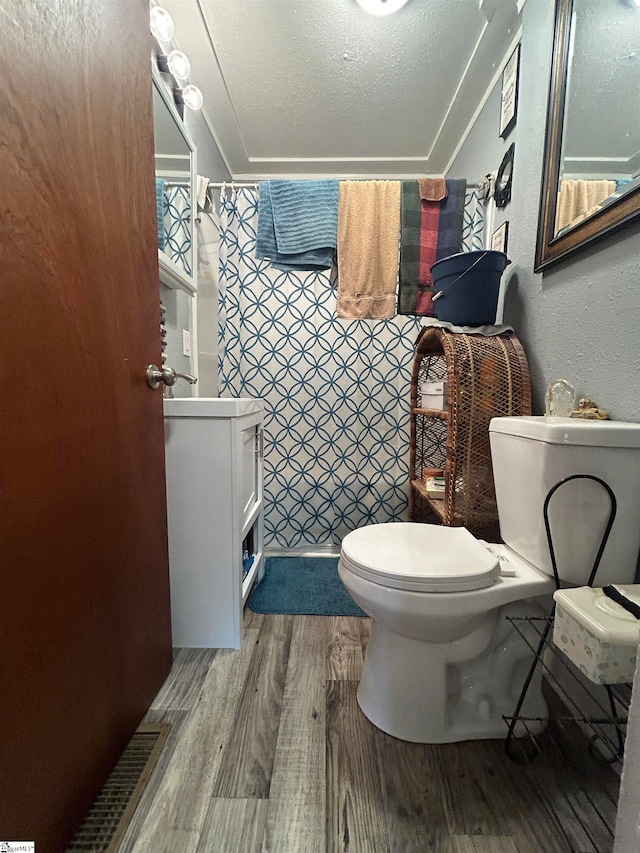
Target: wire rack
{"x": 606, "y": 728}
{"x": 606, "y": 721}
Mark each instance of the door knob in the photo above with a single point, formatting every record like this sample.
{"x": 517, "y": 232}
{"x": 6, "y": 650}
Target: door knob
{"x": 166, "y": 375}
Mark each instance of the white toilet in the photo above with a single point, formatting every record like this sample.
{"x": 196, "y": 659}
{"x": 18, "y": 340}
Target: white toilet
{"x": 443, "y": 663}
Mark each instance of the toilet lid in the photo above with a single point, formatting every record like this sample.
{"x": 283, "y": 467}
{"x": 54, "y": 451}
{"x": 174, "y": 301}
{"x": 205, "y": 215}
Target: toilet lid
{"x": 420, "y": 557}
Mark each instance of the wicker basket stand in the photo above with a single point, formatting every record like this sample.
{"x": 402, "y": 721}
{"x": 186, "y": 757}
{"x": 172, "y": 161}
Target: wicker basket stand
{"x": 487, "y": 377}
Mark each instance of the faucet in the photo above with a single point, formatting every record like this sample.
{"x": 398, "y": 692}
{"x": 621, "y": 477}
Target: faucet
{"x": 170, "y": 377}
{"x": 167, "y": 376}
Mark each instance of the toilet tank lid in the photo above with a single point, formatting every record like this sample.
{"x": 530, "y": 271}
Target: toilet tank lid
{"x": 574, "y": 431}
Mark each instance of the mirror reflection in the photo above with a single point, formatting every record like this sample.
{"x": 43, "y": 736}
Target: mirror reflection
{"x": 600, "y": 149}
{"x": 173, "y": 185}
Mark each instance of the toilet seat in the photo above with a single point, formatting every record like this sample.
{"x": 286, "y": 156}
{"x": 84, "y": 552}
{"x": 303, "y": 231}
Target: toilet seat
{"x": 419, "y": 557}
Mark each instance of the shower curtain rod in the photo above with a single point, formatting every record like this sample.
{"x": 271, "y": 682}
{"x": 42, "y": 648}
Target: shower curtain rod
{"x": 254, "y": 184}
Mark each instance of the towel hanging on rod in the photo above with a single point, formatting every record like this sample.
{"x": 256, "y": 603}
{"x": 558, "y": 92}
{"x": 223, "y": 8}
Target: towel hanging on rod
{"x": 254, "y": 184}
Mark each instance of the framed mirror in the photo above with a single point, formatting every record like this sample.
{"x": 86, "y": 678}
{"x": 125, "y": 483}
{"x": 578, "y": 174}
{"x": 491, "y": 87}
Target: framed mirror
{"x": 175, "y": 158}
{"x": 591, "y": 174}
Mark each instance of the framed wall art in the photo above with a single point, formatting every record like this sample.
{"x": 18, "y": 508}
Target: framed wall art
{"x": 509, "y": 101}
{"x": 499, "y": 238}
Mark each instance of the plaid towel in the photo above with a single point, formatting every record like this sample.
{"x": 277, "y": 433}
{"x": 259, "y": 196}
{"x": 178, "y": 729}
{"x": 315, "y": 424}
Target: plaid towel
{"x": 431, "y": 230}
{"x": 419, "y": 238}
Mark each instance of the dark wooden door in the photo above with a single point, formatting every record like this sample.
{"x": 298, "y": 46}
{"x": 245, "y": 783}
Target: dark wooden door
{"x": 84, "y": 595}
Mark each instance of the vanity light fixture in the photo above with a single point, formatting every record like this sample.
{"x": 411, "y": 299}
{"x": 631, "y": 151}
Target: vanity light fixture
{"x": 178, "y": 64}
{"x": 190, "y": 96}
{"x": 175, "y": 63}
{"x": 381, "y": 7}
{"x": 161, "y": 24}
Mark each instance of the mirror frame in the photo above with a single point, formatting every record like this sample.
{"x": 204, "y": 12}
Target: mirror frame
{"x": 502, "y": 194}
{"x": 171, "y": 274}
{"x": 549, "y": 248}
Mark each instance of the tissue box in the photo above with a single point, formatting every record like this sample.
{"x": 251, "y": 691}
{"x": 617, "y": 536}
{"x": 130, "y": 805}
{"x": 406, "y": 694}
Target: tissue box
{"x": 435, "y": 487}
{"x": 599, "y": 636}
{"x": 434, "y": 395}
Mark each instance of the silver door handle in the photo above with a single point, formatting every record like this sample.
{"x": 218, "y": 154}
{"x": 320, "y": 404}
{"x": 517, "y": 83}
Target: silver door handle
{"x": 166, "y": 375}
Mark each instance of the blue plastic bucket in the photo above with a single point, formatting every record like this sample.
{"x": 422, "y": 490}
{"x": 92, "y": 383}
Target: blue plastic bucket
{"x": 469, "y": 284}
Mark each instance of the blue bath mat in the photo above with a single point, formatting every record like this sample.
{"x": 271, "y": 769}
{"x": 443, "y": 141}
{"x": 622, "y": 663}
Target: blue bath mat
{"x": 303, "y": 586}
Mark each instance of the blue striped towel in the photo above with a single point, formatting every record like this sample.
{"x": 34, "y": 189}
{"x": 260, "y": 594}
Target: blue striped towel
{"x": 160, "y": 211}
{"x": 298, "y": 224}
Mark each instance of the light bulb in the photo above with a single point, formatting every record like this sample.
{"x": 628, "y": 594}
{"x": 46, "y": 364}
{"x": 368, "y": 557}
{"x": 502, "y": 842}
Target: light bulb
{"x": 381, "y": 7}
{"x": 161, "y": 24}
{"x": 179, "y": 64}
{"x": 192, "y": 97}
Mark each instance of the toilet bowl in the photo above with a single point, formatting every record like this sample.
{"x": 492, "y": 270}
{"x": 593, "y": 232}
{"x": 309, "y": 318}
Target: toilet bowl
{"x": 443, "y": 662}
{"x": 431, "y": 672}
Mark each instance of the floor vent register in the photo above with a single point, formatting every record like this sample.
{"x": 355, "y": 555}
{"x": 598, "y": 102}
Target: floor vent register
{"x": 104, "y": 826}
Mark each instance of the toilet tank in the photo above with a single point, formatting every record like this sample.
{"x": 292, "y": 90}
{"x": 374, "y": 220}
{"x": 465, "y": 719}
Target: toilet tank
{"x": 530, "y": 455}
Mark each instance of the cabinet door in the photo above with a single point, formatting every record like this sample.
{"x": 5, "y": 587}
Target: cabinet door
{"x": 251, "y": 469}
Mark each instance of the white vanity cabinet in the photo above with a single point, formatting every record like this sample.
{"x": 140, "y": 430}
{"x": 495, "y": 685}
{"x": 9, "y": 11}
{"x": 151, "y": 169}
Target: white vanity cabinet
{"x": 214, "y": 452}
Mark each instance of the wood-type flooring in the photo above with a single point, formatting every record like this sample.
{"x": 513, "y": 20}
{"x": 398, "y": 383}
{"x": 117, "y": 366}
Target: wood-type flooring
{"x": 269, "y": 751}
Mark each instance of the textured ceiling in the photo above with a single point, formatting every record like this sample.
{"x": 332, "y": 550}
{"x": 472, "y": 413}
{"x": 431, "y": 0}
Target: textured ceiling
{"x": 320, "y": 87}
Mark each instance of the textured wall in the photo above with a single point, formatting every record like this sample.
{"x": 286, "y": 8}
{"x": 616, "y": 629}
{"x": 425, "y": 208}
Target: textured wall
{"x": 483, "y": 150}
{"x": 210, "y": 162}
{"x": 176, "y": 318}
{"x": 579, "y": 320}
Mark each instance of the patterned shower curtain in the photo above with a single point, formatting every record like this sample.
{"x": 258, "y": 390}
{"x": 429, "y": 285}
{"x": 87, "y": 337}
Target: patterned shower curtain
{"x": 336, "y": 392}
{"x": 473, "y": 223}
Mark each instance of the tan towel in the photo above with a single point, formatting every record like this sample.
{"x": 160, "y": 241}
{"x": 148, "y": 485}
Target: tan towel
{"x": 579, "y": 199}
{"x": 368, "y": 237}
{"x": 432, "y": 189}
